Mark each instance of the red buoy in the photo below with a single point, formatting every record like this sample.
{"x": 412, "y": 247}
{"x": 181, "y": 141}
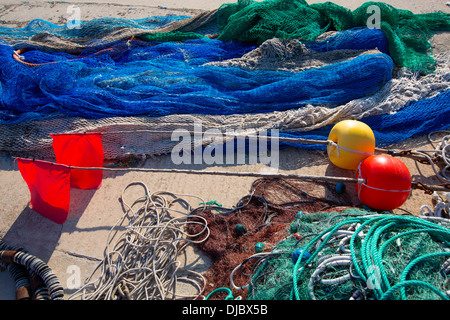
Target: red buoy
{"x": 385, "y": 182}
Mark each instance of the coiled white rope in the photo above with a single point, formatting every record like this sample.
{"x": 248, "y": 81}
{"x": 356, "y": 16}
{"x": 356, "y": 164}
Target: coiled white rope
{"x": 141, "y": 262}
{"x": 333, "y": 261}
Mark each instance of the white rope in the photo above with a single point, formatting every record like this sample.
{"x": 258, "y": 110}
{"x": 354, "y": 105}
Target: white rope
{"x": 238, "y": 267}
{"x": 338, "y": 147}
{"x": 441, "y": 208}
{"x": 389, "y": 190}
{"x": 140, "y": 260}
{"x": 332, "y": 262}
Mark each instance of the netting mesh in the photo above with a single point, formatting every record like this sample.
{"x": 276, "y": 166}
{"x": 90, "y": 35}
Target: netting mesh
{"x": 393, "y": 257}
{"x": 171, "y": 36}
{"x": 407, "y": 33}
{"x": 75, "y": 36}
{"x": 86, "y": 29}
{"x": 434, "y": 115}
{"x": 136, "y": 136}
{"x": 117, "y": 74}
{"x": 359, "y": 38}
{"x": 265, "y": 214}
{"x": 156, "y": 79}
{"x": 346, "y": 252}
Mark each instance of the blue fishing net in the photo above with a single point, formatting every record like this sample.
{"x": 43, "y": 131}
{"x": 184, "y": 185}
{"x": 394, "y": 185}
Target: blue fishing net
{"x": 148, "y": 78}
{"x": 355, "y": 39}
{"x": 137, "y": 78}
{"x": 86, "y": 29}
{"x": 416, "y": 118}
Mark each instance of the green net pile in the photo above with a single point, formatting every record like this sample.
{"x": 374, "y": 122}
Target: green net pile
{"x": 407, "y": 33}
{"x": 358, "y": 255}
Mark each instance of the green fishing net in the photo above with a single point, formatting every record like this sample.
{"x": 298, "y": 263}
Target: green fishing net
{"x": 357, "y": 255}
{"x": 407, "y": 33}
{"x": 170, "y": 36}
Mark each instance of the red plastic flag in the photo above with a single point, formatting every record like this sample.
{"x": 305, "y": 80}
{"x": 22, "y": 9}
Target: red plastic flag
{"x": 49, "y": 186}
{"x": 81, "y": 150}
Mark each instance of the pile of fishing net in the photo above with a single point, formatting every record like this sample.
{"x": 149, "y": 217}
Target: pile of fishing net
{"x": 286, "y": 240}
{"x": 262, "y": 217}
{"x": 283, "y": 65}
{"x": 75, "y": 36}
{"x": 358, "y": 255}
{"x": 156, "y": 79}
{"x": 408, "y": 105}
{"x": 407, "y": 33}
{"x": 253, "y": 22}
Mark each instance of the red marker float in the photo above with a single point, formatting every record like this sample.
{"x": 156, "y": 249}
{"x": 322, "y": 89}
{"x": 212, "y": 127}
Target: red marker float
{"x": 385, "y": 182}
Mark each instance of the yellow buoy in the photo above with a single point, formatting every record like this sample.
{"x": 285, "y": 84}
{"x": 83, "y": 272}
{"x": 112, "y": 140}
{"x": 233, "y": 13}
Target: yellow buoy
{"x": 349, "y": 143}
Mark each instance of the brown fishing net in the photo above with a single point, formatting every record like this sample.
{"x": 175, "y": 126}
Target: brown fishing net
{"x": 262, "y": 217}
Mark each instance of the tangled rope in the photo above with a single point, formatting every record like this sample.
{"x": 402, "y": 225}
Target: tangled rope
{"x": 441, "y": 152}
{"x": 368, "y": 237}
{"x": 441, "y": 208}
{"x": 357, "y": 255}
{"x": 141, "y": 263}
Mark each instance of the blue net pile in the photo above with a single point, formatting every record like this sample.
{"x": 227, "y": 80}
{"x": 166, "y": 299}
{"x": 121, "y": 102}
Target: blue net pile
{"x": 127, "y": 78}
{"x": 417, "y": 118}
{"x": 360, "y": 38}
{"x": 152, "y": 74}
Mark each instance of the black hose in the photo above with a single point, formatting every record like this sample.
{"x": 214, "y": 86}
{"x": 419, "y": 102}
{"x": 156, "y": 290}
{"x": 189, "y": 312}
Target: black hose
{"x": 23, "y": 267}
{"x": 20, "y": 276}
{"x": 35, "y": 264}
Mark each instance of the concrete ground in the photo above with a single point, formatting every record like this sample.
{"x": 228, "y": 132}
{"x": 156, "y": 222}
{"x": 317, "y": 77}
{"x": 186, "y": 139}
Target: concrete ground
{"x": 81, "y": 240}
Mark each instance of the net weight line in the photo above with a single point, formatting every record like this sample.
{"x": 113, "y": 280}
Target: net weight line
{"x": 419, "y": 155}
{"x": 427, "y": 188}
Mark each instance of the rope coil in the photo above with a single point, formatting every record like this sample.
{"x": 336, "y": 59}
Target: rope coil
{"x": 141, "y": 263}
{"x": 357, "y": 255}
{"x": 370, "y": 254}
{"x": 440, "y": 153}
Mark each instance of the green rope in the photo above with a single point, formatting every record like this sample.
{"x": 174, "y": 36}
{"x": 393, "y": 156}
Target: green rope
{"x": 367, "y": 251}
{"x": 222, "y": 289}
{"x": 413, "y": 263}
{"x": 298, "y": 271}
{"x": 210, "y": 203}
{"x": 399, "y": 285}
